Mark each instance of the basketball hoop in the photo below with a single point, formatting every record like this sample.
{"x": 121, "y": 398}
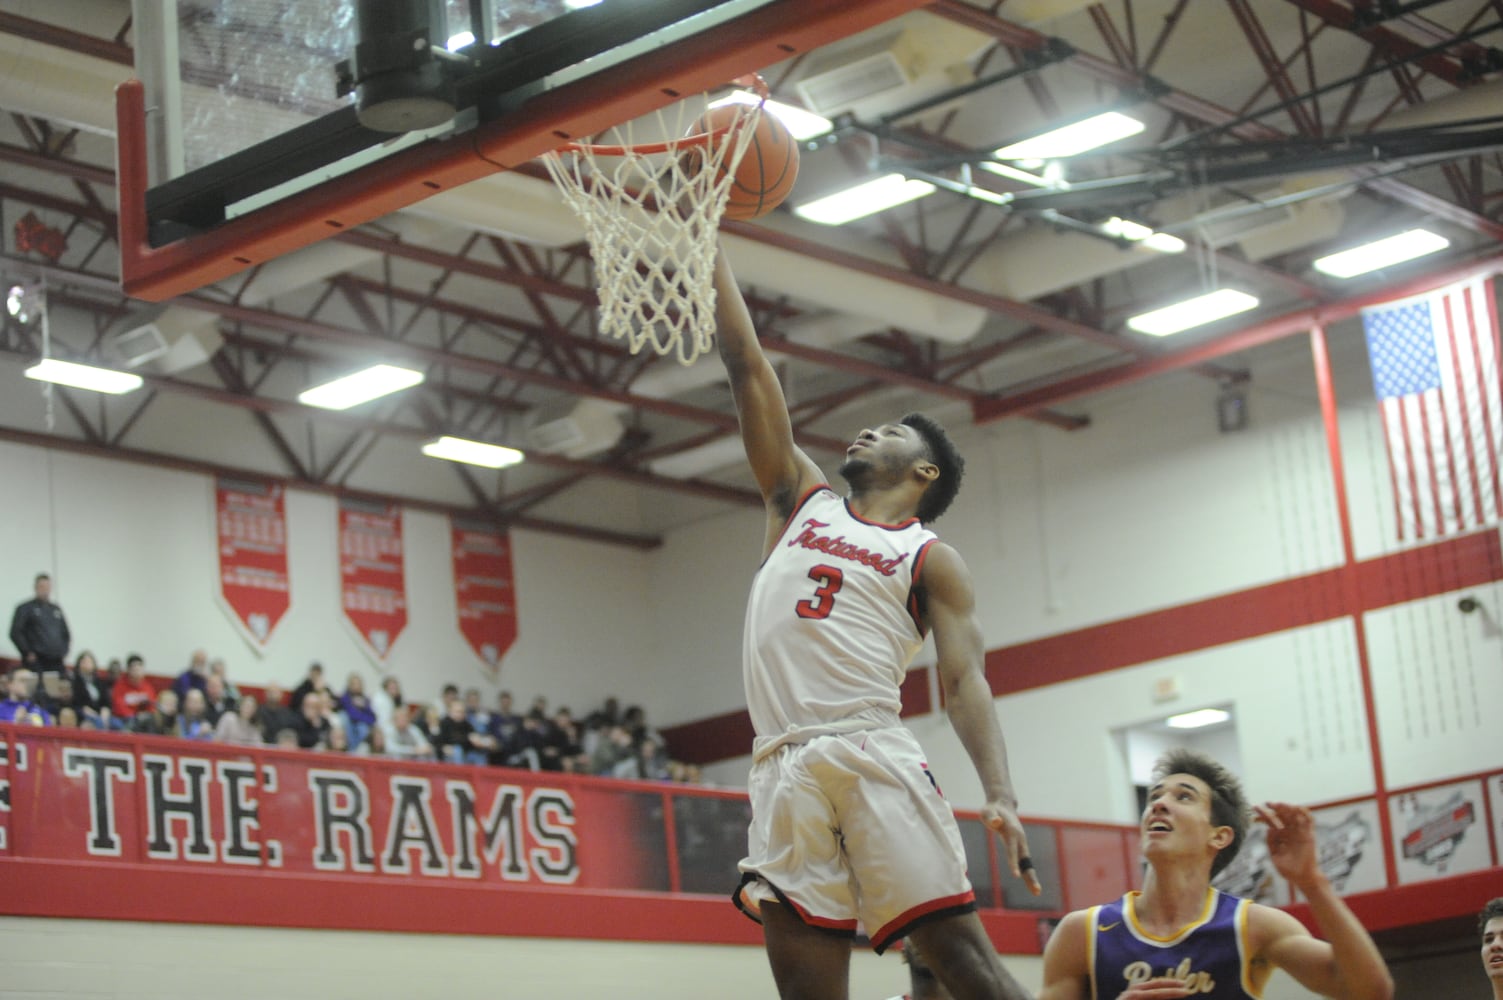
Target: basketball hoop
{"x": 651, "y": 214}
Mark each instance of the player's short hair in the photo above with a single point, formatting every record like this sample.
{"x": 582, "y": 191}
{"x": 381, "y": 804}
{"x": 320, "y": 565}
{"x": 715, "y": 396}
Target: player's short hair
{"x": 1492, "y": 911}
{"x": 41, "y": 577}
{"x": 1228, "y": 802}
{"x": 942, "y": 452}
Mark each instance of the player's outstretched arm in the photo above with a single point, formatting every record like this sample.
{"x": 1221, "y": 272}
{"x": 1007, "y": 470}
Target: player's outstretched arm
{"x": 782, "y": 470}
{"x": 1347, "y": 964}
{"x": 951, "y": 611}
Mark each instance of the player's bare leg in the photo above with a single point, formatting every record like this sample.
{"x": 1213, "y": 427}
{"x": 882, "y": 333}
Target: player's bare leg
{"x": 807, "y": 963}
{"x": 961, "y": 955}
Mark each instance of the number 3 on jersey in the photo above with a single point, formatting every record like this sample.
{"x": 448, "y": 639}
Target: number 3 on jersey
{"x": 823, "y": 602}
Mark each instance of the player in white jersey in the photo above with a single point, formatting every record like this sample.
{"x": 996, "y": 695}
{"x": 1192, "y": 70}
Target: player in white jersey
{"x": 848, "y": 825}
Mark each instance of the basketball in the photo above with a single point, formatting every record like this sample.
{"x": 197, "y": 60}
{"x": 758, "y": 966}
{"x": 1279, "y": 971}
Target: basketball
{"x": 766, "y": 173}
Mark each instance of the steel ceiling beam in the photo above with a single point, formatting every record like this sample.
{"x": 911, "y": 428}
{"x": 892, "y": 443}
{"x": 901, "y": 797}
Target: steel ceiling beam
{"x": 264, "y": 406}
{"x": 1299, "y": 321}
{"x": 1196, "y": 108}
{"x": 1388, "y": 41}
{"x": 160, "y": 460}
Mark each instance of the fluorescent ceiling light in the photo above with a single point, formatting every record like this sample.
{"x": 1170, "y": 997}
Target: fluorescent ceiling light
{"x": 1053, "y": 179}
{"x": 865, "y": 199}
{"x": 1136, "y": 232}
{"x": 361, "y": 387}
{"x": 1068, "y": 140}
{"x": 1381, "y": 253}
{"x": 576, "y": 4}
{"x": 492, "y": 456}
{"x": 459, "y": 41}
{"x": 1192, "y": 312}
{"x": 801, "y": 124}
{"x": 84, "y": 376}
{"x": 1197, "y": 719}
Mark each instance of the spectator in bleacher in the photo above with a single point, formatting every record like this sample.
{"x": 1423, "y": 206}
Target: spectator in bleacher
{"x": 374, "y": 745}
{"x": 240, "y": 727}
{"x": 161, "y": 719}
{"x": 312, "y": 724}
{"x": 404, "y": 740}
{"x": 386, "y": 701}
{"x": 597, "y": 722}
{"x": 652, "y": 761}
{"x": 635, "y": 721}
{"x": 194, "y": 675}
{"x": 218, "y": 668}
{"x": 91, "y": 691}
{"x": 274, "y": 716}
{"x": 39, "y": 631}
{"x": 338, "y": 740}
{"x": 193, "y": 721}
{"x": 458, "y": 742}
{"x": 19, "y": 705}
{"x": 132, "y": 693}
{"x": 313, "y": 682}
{"x": 1490, "y": 926}
{"x": 67, "y": 718}
{"x": 561, "y": 750}
{"x": 217, "y": 701}
{"x": 615, "y": 754}
{"x": 427, "y": 718}
{"x": 359, "y": 715}
{"x": 504, "y": 727}
{"x": 286, "y": 739}
{"x": 479, "y": 717}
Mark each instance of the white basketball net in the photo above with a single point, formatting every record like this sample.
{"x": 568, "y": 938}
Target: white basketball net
{"x": 651, "y": 216}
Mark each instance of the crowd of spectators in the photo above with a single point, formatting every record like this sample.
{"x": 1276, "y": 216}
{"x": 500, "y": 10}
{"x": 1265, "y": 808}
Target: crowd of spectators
{"x": 202, "y": 703}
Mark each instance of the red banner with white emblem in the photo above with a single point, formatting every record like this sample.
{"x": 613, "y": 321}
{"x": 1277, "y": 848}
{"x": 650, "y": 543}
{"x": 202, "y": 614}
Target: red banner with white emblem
{"x": 372, "y": 575}
{"x": 251, "y": 522}
{"x": 484, "y": 590}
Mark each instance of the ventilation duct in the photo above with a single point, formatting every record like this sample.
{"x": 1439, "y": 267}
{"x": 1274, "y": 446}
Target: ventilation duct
{"x": 575, "y": 428}
{"x": 924, "y": 58}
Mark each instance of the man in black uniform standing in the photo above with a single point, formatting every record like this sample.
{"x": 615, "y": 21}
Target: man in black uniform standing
{"x": 39, "y": 630}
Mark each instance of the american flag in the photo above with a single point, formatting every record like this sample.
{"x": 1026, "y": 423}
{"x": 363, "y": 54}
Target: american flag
{"x": 1435, "y": 368}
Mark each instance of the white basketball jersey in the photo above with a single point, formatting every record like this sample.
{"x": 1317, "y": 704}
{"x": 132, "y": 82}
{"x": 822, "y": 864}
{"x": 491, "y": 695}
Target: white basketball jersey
{"x": 832, "y": 622}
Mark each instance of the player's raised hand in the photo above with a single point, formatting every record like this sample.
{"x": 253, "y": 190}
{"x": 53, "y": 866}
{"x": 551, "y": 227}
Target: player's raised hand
{"x": 1003, "y": 821}
{"x": 1155, "y": 989}
{"x": 1291, "y": 841}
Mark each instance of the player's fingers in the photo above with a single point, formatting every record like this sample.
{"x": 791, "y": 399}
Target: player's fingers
{"x": 1268, "y": 815}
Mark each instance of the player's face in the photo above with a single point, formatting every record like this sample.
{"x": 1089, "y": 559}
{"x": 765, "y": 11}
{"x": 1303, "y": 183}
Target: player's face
{"x": 1178, "y": 815}
{"x": 1492, "y": 949}
{"x": 887, "y": 449}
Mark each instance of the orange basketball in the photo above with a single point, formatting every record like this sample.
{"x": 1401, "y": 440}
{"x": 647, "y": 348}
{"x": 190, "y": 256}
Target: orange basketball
{"x": 766, "y": 173}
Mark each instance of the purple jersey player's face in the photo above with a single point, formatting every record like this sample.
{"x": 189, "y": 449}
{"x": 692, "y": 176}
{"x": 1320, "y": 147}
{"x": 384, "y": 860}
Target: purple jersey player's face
{"x": 1492, "y": 949}
{"x": 1178, "y": 813}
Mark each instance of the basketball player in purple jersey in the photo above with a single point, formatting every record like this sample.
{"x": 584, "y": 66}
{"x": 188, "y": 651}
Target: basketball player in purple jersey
{"x": 1490, "y": 924}
{"x": 1181, "y": 938}
{"x": 847, "y": 823}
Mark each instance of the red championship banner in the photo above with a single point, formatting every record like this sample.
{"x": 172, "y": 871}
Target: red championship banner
{"x": 484, "y": 589}
{"x": 373, "y": 588}
{"x": 251, "y": 521}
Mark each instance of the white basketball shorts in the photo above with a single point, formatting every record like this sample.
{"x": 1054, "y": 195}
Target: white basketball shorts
{"x": 849, "y": 828}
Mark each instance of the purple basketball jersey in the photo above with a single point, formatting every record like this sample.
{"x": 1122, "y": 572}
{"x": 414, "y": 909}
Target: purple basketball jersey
{"x": 1209, "y": 954}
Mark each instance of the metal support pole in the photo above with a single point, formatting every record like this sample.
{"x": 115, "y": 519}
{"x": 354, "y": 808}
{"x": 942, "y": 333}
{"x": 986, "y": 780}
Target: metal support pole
{"x": 156, "y": 47}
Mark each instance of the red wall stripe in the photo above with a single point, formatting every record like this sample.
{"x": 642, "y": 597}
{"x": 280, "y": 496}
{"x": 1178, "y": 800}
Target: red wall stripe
{"x": 1397, "y": 578}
